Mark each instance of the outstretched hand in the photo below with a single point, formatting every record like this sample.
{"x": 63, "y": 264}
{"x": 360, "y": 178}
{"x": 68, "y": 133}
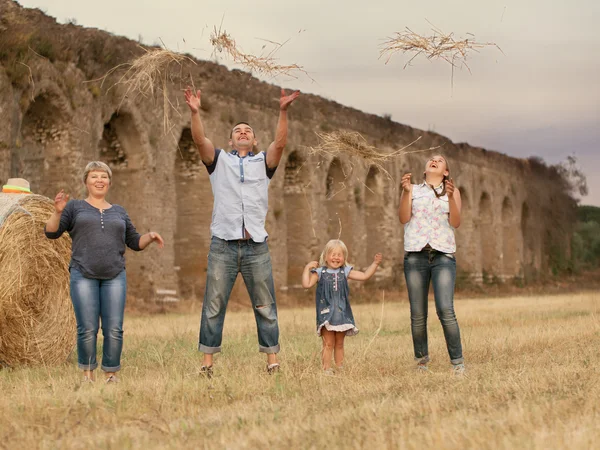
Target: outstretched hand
{"x": 450, "y": 188}
{"x": 60, "y": 201}
{"x": 312, "y": 265}
{"x": 193, "y": 99}
{"x": 378, "y": 258}
{"x": 155, "y": 237}
{"x": 286, "y": 100}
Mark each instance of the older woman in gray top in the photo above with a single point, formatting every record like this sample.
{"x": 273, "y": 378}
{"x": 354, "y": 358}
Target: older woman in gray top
{"x": 99, "y": 231}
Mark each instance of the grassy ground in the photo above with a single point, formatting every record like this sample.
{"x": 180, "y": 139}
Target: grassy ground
{"x": 532, "y": 382}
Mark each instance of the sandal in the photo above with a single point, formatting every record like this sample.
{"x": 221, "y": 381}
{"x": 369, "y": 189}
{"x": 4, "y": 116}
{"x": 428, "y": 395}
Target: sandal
{"x": 206, "y": 371}
{"x": 112, "y": 379}
{"x": 272, "y": 368}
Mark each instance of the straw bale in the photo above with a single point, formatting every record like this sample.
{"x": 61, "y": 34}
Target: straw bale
{"x": 37, "y": 323}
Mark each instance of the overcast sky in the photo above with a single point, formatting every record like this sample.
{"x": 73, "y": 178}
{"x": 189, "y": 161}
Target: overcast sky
{"x": 540, "y": 98}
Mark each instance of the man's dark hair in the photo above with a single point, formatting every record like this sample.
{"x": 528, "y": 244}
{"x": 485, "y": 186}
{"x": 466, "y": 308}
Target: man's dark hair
{"x": 240, "y": 123}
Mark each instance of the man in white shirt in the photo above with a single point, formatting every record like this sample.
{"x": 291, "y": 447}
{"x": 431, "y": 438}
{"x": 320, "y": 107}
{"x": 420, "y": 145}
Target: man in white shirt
{"x": 240, "y": 182}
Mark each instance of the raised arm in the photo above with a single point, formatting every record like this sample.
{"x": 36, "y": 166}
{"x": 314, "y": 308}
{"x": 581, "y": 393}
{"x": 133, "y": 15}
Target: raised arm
{"x": 405, "y": 209}
{"x": 454, "y": 202}
{"x": 60, "y": 220}
{"x": 275, "y": 150}
{"x": 309, "y": 279}
{"x": 204, "y": 145}
{"x": 357, "y": 275}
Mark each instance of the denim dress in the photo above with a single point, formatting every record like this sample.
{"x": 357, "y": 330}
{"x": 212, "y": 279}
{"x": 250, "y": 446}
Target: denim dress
{"x": 333, "y": 306}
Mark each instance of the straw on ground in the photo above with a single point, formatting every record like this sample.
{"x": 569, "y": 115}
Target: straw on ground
{"x": 533, "y": 368}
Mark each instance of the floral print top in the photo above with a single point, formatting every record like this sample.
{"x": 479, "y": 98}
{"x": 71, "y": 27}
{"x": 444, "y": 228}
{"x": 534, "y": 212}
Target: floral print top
{"x": 428, "y": 223}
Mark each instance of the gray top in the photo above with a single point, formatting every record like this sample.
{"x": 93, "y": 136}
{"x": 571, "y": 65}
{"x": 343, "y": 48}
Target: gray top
{"x": 99, "y": 238}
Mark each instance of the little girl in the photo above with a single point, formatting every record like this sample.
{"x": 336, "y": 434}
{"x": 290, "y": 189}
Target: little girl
{"x": 334, "y": 314}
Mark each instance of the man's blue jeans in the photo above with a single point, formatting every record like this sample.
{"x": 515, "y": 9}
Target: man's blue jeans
{"x": 225, "y": 260}
{"x": 95, "y": 300}
{"x": 421, "y": 269}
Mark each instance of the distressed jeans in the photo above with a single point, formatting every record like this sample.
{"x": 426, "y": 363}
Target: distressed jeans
{"x": 225, "y": 260}
{"x": 94, "y": 301}
{"x": 421, "y": 269}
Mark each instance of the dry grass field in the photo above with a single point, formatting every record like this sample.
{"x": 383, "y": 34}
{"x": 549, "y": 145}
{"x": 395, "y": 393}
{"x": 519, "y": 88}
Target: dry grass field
{"x": 533, "y": 382}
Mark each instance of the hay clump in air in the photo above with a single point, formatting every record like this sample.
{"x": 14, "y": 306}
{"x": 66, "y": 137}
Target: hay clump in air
{"x": 354, "y": 145}
{"x": 149, "y": 75}
{"x": 37, "y": 323}
{"x": 440, "y": 45}
{"x": 222, "y": 42}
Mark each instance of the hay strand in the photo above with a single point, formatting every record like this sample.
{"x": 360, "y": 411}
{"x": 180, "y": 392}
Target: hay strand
{"x": 148, "y": 76}
{"x": 378, "y": 330}
{"x": 354, "y": 145}
{"x": 440, "y": 45}
{"x": 37, "y": 324}
{"x": 267, "y": 64}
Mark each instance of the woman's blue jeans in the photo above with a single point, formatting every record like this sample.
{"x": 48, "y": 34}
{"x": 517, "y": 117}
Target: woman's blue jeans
{"x": 421, "y": 269}
{"x": 94, "y": 301}
{"x": 225, "y": 260}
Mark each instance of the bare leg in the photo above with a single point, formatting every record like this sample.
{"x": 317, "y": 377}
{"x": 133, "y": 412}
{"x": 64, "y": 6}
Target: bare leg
{"x": 328, "y": 345}
{"x": 271, "y": 358}
{"x": 89, "y": 374}
{"x": 207, "y": 359}
{"x": 339, "y": 348}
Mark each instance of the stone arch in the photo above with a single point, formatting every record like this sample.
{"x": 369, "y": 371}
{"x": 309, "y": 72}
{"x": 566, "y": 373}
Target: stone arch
{"x": 374, "y": 213}
{"x": 339, "y": 200}
{"x": 121, "y": 148}
{"x": 510, "y": 258}
{"x": 297, "y": 214}
{"x": 487, "y": 237}
{"x": 42, "y": 154}
{"x": 527, "y": 237}
{"x": 194, "y": 199}
{"x": 464, "y": 235}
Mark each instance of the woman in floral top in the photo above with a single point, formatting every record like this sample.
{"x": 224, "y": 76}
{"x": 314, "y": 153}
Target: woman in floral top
{"x": 430, "y": 212}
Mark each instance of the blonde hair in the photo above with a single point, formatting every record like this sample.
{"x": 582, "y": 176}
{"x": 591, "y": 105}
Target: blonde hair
{"x": 331, "y": 246}
{"x": 96, "y": 166}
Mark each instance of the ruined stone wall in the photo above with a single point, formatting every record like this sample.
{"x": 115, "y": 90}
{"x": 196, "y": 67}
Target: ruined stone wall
{"x": 54, "y": 121}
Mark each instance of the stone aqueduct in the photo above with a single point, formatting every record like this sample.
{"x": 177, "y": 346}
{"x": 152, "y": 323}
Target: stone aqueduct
{"x": 52, "y": 128}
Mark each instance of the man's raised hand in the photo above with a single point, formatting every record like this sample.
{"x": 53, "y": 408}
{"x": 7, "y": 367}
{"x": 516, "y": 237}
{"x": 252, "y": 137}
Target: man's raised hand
{"x": 286, "y": 100}
{"x": 193, "y": 100}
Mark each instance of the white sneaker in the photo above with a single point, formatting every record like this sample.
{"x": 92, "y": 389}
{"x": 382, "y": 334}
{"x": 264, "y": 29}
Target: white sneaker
{"x": 422, "y": 368}
{"x": 459, "y": 369}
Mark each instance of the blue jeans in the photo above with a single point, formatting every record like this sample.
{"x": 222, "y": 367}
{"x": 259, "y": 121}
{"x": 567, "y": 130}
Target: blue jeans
{"x": 225, "y": 260}
{"x": 421, "y": 268}
{"x": 94, "y": 300}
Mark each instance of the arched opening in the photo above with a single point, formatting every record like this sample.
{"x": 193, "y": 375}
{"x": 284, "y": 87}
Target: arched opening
{"x": 375, "y": 214}
{"x": 43, "y": 156}
{"x": 528, "y": 258}
{"x": 510, "y": 258}
{"x": 338, "y": 197}
{"x": 194, "y": 205}
{"x": 464, "y": 236}
{"x": 6, "y": 153}
{"x": 121, "y": 148}
{"x": 297, "y": 215}
{"x": 488, "y": 240}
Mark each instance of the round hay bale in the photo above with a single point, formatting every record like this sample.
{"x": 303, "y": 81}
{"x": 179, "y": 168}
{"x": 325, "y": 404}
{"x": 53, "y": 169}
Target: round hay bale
{"x": 37, "y": 323}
